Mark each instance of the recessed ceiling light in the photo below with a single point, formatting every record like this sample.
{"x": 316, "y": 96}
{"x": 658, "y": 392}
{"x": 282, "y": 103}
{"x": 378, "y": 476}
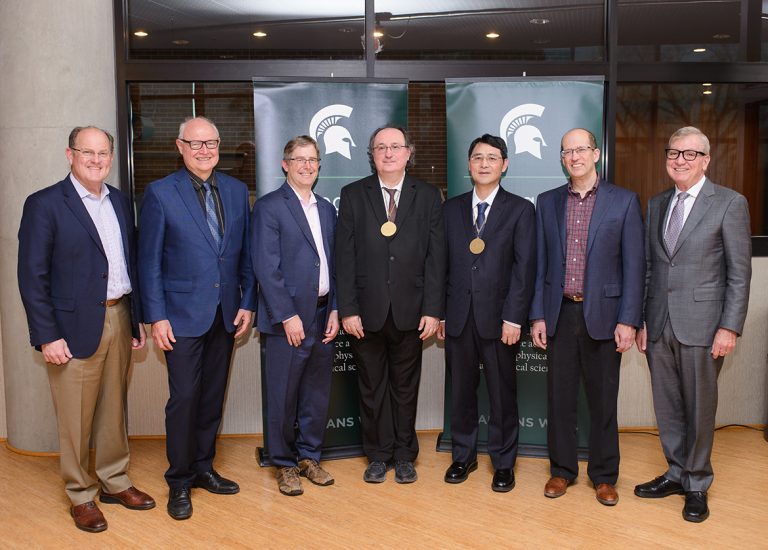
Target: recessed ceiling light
{"x": 538, "y": 21}
{"x": 378, "y": 34}
{"x": 259, "y": 34}
{"x": 492, "y": 35}
{"x": 707, "y": 92}
{"x": 699, "y": 50}
{"x": 141, "y": 34}
{"x": 706, "y": 84}
{"x": 721, "y": 36}
{"x": 181, "y": 42}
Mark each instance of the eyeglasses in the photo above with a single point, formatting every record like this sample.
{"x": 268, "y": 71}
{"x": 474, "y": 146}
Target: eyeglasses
{"x": 580, "y": 151}
{"x": 301, "y": 160}
{"x": 90, "y": 155}
{"x": 196, "y": 145}
{"x": 395, "y": 148}
{"x": 688, "y": 154}
{"x": 490, "y": 159}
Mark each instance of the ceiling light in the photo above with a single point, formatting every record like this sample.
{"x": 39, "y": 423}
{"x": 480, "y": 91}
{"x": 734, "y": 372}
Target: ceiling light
{"x": 492, "y": 35}
{"x": 538, "y": 21}
{"x": 721, "y": 36}
{"x": 707, "y": 92}
{"x": 181, "y": 42}
{"x": 378, "y": 34}
{"x": 706, "y": 84}
{"x": 259, "y": 34}
{"x": 699, "y": 50}
{"x": 141, "y": 34}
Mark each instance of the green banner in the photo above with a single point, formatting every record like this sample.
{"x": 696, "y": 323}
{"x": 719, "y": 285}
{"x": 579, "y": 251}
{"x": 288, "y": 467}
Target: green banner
{"x": 531, "y": 116}
{"x": 341, "y": 116}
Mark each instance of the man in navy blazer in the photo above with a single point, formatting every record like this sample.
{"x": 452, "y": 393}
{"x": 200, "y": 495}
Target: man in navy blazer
{"x": 195, "y": 268}
{"x": 491, "y": 248}
{"x": 586, "y": 309}
{"x": 77, "y": 278}
{"x": 292, "y": 239}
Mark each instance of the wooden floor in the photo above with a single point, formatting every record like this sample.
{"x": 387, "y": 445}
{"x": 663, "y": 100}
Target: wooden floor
{"x": 427, "y": 514}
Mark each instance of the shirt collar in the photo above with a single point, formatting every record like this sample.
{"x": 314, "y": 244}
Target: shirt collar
{"x": 198, "y": 182}
{"x": 694, "y": 190}
{"x": 588, "y": 193}
{"x": 399, "y": 185}
{"x": 488, "y": 200}
{"x": 82, "y": 192}
{"x": 312, "y": 197}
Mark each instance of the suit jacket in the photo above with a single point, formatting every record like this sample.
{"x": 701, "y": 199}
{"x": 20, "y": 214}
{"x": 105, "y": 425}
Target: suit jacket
{"x": 498, "y": 283}
{"x": 184, "y": 272}
{"x": 615, "y": 260}
{"x": 63, "y": 268}
{"x": 406, "y": 271}
{"x": 285, "y": 259}
{"x": 704, "y": 284}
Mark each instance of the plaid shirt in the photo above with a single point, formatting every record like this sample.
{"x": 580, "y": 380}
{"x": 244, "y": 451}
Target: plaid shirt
{"x": 578, "y": 215}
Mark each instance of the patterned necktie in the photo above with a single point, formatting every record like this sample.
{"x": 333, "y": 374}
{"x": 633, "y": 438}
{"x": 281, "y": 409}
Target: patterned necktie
{"x": 675, "y": 225}
{"x": 392, "y": 210}
{"x": 480, "y": 223}
{"x": 210, "y": 214}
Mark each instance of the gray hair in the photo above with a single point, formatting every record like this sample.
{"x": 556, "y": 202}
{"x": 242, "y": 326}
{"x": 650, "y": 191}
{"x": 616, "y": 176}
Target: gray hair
{"x": 691, "y": 131}
{"x": 183, "y": 125}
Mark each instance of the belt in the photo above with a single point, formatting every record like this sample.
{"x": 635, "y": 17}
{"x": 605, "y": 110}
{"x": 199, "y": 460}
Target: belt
{"x": 322, "y": 301}
{"x": 573, "y": 297}
{"x": 110, "y": 303}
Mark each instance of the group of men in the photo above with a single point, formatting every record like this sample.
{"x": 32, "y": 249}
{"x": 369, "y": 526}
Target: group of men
{"x": 398, "y": 267}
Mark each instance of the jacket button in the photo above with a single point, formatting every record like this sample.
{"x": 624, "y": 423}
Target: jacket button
{"x": 474, "y": 268}
{"x": 103, "y": 275}
{"x": 215, "y": 285}
{"x": 317, "y": 264}
{"x": 103, "y": 304}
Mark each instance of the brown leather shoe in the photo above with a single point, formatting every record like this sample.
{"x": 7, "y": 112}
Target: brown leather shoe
{"x": 314, "y": 472}
{"x": 130, "y": 498}
{"x": 606, "y": 494}
{"x": 88, "y": 517}
{"x": 556, "y": 487}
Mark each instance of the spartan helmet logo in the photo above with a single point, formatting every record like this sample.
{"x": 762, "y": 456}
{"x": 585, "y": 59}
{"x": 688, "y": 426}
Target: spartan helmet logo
{"x": 527, "y": 138}
{"x": 325, "y": 125}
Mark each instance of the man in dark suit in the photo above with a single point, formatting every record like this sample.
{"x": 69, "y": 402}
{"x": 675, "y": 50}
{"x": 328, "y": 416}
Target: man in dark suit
{"x": 390, "y": 265}
{"x": 586, "y": 308}
{"x": 195, "y": 266}
{"x": 697, "y": 287}
{"x": 491, "y": 271}
{"x": 292, "y": 239}
{"x": 77, "y": 278}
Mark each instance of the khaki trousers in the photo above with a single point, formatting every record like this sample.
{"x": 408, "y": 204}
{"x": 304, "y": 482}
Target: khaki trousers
{"x": 89, "y": 397}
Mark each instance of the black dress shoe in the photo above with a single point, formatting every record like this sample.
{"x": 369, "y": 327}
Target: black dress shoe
{"x": 459, "y": 471}
{"x": 214, "y": 483}
{"x": 658, "y": 488}
{"x": 179, "y": 503}
{"x": 503, "y": 480}
{"x": 695, "y": 508}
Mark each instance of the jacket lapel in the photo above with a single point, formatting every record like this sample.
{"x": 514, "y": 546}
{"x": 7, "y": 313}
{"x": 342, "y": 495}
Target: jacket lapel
{"x": 602, "y": 202}
{"x": 662, "y": 216}
{"x": 373, "y": 191}
{"x": 296, "y": 210}
{"x": 561, "y": 199}
{"x": 122, "y": 220}
{"x": 407, "y": 195}
{"x": 75, "y": 204}
{"x": 700, "y": 207}
{"x": 189, "y": 197}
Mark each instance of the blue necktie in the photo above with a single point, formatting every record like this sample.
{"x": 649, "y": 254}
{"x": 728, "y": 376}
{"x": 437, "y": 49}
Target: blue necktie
{"x": 210, "y": 214}
{"x": 481, "y": 206}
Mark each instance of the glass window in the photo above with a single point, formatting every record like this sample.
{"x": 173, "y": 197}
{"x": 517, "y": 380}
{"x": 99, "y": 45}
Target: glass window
{"x": 679, "y": 30}
{"x": 733, "y": 116}
{"x": 542, "y": 30}
{"x": 240, "y": 29}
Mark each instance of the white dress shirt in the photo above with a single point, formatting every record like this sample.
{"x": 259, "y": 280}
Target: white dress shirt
{"x": 313, "y": 219}
{"x": 104, "y": 218}
{"x": 693, "y": 192}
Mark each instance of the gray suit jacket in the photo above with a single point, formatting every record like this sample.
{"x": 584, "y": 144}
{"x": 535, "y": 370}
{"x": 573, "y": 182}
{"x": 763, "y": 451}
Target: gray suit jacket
{"x": 703, "y": 284}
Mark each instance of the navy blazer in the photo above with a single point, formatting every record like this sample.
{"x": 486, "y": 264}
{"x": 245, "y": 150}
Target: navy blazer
{"x": 185, "y": 274}
{"x": 63, "y": 268}
{"x": 286, "y": 261}
{"x": 498, "y": 283}
{"x": 614, "y": 276}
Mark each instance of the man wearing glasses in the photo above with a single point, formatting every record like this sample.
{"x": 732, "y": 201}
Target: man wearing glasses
{"x": 697, "y": 288}
{"x": 491, "y": 272}
{"x": 390, "y": 265}
{"x": 586, "y": 308}
{"x": 292, "y": 243}
{"x": 77, "y": 278}
{"x": 198, "y": 292}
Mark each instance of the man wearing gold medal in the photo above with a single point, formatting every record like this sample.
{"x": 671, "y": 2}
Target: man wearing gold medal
{"x": 390, "y": 277}
{"x": 586, "y": 308}
{"x": 491, "y": 271}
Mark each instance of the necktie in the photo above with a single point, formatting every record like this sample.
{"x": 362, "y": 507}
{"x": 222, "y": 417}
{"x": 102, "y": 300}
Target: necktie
{"x": 675, "y": 223}
{"x": 480, "y": 223}
{"x": 210, "y": 214}
{"x": 392, "y": 209}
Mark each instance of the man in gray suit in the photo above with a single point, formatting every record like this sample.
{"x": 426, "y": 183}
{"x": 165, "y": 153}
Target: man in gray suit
{"x": 699, "y": 257}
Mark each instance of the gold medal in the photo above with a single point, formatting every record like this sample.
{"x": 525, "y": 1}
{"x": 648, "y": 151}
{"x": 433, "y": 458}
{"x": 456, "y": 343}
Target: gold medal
{"x": 388, "y": 229}
{"x": 477, "y": 245}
